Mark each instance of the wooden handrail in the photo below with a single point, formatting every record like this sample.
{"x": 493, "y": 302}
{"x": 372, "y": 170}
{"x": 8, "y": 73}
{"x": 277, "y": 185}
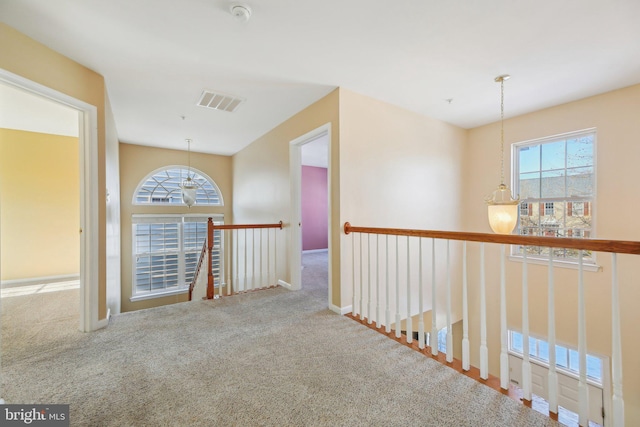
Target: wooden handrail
{"x": 192, "y": 285}
{"x": 210, "y": 227}
{"x": 597, "y": 245}
{"x": 243, "y": 226}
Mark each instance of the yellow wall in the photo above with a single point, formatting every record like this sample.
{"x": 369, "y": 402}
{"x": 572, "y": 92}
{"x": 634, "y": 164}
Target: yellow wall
{"x": 261, "y": 182}
{"x": 615, "y": 115}
{"x": 31, "y": 60}
{"x": 39, "y": 205}
{"x": 398, "y": 169}
{"x": 136, "y": 162}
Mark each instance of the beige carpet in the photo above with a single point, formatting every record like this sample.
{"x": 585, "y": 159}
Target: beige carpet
{"x": 272, "y": 358}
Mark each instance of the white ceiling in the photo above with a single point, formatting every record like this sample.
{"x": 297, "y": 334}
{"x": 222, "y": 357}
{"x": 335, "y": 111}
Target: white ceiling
{"x": 158, "y": 55}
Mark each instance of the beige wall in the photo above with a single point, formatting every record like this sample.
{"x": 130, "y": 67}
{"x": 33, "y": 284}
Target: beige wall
{"x": 39, "y": 205}
{"x": 136, "y": 162}
{"x": 31, "y": 60}
{"x": 615, "y": 115}
{"x": 261, "y": 182}
{"x": 398, "y": 169}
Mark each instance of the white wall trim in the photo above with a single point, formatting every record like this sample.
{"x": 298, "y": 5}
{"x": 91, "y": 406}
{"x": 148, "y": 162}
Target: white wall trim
{"x": 295, "y": 174}
{"x": 313, "y": 251}
{"x": 340, "y": 310}
{"x": 37, "y": 280}
{"x": 88, "y": 147}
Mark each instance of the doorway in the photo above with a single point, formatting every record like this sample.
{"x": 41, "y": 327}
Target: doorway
{"x": 88, "y": 190}
{"x": 310, "y": 156}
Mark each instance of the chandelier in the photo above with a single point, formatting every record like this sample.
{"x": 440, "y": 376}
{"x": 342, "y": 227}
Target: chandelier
{"x": 502, "y": 208}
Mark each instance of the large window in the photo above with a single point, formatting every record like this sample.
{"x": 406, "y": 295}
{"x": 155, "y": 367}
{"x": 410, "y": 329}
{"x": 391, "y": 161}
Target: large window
{"x": 566, "y": 358}
{"x": 555, "y": 179}
{"x": 163, "y": 187}
{"x": 166, "y": 249}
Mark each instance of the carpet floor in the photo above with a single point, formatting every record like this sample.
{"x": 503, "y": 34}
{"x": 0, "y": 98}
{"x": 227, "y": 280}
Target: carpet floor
{"x": 267, "y": 358}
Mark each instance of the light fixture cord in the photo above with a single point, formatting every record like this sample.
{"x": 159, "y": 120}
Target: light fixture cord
{"x": 502, "y": 131}
{"x": 189, "y": 157}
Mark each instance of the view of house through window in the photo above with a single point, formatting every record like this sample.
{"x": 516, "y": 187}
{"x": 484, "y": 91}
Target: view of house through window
{"x": 555, "y": 179}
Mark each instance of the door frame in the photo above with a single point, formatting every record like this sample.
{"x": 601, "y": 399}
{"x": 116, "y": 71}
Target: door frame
{"x": 295, "y": 173}
{"x": 89, "y": 208}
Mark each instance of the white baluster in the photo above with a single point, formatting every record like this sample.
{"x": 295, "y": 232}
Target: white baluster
{"x": 377, "y": 281}
{"x": 361, "y": 307}
{"x": 369, "y": 320}
{"x": 275, "y": 256}
{"x": 227, "y": 257}
{"x": 616, "y": 347}
{"x": 583, "y": 390}
{"x": 354, "y": 298}
{"x": 449, "y": 355}
{"x": 409, "y": 322}
{"x": 433, "y": 338}
{"x": 253, "y": 258}
{"x": 261, "y": 280}
{"x": 420, "y": 298}
{"x": 553, "y": 376}
{"x": 244, "y": 288}
{"x": 387, "y": 313}
{"x": 484, "y": 351}
{"x": 526, "y": 364}
{"x": 466, "y": 363}
{"x": 269, "y": 281}
{"x": 504, "y": 357}
{"x": 398, "y": 326}
{"x": 236, "y": 244}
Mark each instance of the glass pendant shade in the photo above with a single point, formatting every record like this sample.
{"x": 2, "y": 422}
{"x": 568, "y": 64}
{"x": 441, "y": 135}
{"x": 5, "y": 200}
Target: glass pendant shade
{"x": 189, "y": 188}
{"x": 503, "y": 211}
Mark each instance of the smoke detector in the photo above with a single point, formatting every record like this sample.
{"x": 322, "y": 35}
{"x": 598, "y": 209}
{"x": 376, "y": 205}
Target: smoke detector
{"x": 241, "y": 12}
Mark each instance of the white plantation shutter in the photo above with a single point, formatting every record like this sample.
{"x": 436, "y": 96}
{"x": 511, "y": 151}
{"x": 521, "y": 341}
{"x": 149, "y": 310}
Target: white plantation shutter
{"x": 166, "y": 249}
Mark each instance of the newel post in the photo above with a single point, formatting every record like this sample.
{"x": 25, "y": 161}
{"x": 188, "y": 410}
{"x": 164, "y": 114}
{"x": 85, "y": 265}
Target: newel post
{"x": 209, "y": 258}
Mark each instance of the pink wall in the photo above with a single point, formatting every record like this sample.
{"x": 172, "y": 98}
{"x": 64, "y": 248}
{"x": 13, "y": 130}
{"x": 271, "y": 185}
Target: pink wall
{"x": 314, "y": 208}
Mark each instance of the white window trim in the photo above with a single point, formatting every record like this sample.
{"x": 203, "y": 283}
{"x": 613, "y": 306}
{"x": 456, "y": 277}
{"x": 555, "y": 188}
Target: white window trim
{"x": 199, "y": 172}
{"x": 589, "y": 264}
{"x": 603, "y": 359}
{"x": 160, "y": 294}
{"x": 142, "y": 218}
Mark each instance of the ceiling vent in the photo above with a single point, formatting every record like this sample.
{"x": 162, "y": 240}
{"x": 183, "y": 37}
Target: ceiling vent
{"x": 219, "y": 101}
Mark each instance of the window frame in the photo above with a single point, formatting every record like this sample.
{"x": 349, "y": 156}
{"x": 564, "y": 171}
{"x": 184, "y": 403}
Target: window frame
{"x": 566, "y": 370}
{"x": 182, "y": 169}
{"x": 182, "y": 252}
{"x": 589, "y": 263}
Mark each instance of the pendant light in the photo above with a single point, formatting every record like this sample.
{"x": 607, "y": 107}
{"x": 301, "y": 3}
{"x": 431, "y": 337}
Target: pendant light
{"x": 502, "y": 208}
{"x": 189, "y": 186}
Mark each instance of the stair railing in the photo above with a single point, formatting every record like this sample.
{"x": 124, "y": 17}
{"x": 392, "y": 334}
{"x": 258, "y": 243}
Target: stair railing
{"x": 249, "y": 264}
{"x": 196, "y": 274}
{"x": 373, "y": 292}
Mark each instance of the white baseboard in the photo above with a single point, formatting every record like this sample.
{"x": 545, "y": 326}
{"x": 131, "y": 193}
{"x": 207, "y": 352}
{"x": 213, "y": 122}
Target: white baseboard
{"x": 285, "y": 284}
{"x": 311, "y": 251}
{"x": 37, "y": 280}
{"x": 101, "y": 324}
{"x": 340, "y": 310}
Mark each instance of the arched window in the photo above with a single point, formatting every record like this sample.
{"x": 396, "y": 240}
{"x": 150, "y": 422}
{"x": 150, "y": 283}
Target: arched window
{"x": 162, "y": 187}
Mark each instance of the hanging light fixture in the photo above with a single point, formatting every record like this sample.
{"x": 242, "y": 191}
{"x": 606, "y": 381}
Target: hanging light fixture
{"x": 189, "y": 186}
{"x": 502, "y": 208}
